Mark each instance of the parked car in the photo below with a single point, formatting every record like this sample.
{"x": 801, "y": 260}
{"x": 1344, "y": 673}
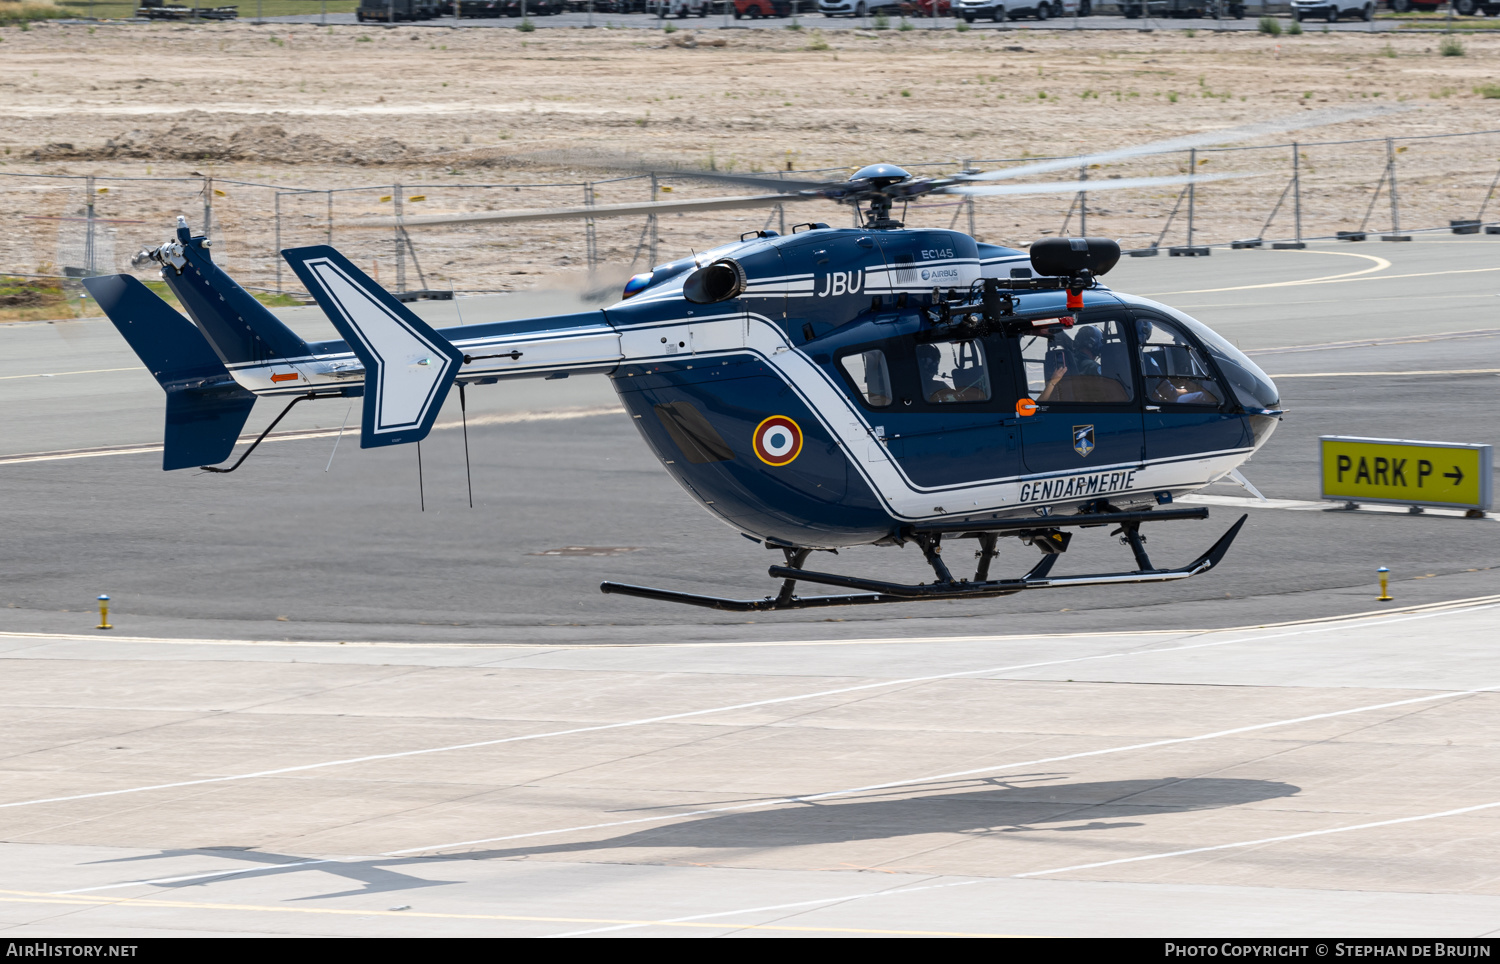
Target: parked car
{"x": 534, "y": 8}
{"x": 755, "y": 9}
{"x": 972, "y": 10}
{"x": 1184, "y": 8}
{"x": 1464, "y": 8}
{"x": 1332, "y": 10}
{"x": 387, "y": 11}
{"x": 857, "y": 8}
{"x": 678, "y": 8}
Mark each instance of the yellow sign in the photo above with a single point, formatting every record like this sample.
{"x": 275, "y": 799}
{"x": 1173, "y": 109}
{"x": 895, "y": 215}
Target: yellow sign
{"x": 1405, "y": 472}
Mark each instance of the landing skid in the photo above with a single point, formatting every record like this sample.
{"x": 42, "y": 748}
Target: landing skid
{"x": 1050, "y": 540}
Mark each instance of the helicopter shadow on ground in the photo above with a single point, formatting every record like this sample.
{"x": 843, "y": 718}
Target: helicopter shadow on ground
{"x": 375, "y": 875}
{"x": 996, "y": 807}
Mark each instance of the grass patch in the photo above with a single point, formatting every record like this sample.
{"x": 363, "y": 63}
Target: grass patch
{"x": 668, "y": 27}
{"x": 1488, "y": 91}
{"x": 22, "y": 13}
{"x": 1451, "y": 47}
{"x": 882, "y": 22}
{"x": 33, "y": 299}
{"x": 962, "y": 26}
{"x": 1269, "y": 26}
{"x": 816, "y": 41}
{"x": 1294, "y": 29}
{"x": 526, "y": 26}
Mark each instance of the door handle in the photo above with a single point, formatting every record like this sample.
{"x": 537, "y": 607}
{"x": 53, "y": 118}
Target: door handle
{"x": 1153, "y": 408}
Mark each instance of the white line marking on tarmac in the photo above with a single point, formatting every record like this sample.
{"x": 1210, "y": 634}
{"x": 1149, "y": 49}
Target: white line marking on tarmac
{"x": 1327, "y": 505}
{"x": 1380, "y": 265}
{"x": 371, "y": 758}
{"x": 1056, "y": 870}
{"x": 507, "y": 418}
{"x": 1378, "y": 342}
{"x": 796, "y": 904}
{"x": 1266, "y": 840}
{"x": 208, "y": 875}
{"x": 1449, "y": 604}
{"x": 1447, "y": 371}
{"x": 952, "y": 775}
{"x": 87, "y": 371}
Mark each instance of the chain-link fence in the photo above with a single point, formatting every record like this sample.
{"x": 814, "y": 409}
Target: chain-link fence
{"x": 71, "y": 226}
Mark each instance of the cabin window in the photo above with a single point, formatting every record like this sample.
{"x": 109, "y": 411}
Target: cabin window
{"x": 1088, "y": 363}
{"x": 871, "y": 378}
{"x": 693, "y": 433}
{"x": 1173, "y": 371}
{"x": 953, "y": 371}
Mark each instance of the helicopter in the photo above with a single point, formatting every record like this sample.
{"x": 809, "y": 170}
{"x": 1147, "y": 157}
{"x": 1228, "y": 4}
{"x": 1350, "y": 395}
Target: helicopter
{"x": 819, "y": 390}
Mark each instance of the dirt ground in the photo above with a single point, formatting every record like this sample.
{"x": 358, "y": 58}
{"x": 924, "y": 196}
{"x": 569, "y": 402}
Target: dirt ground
{"x": 442, "y": 111}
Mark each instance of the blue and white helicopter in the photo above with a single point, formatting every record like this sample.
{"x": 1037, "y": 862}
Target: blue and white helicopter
{"x": 832, "y": 387}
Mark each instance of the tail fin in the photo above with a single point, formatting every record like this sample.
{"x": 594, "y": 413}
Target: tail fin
{"x": 239, "y": 328}
{"x": 206, "y": 409}
{"x": 409, "y": 367}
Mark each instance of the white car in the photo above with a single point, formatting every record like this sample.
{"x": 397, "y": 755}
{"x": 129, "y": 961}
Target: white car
{"x": 857, "y": 8}
{"x": 1332, "y": 10}
{"x": 972, "y": 10}
{"x": 678, "y": 8}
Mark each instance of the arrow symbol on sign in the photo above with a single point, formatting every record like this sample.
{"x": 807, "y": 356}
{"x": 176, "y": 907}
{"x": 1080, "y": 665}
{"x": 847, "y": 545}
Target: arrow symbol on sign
{"x": 1456, "y": 475}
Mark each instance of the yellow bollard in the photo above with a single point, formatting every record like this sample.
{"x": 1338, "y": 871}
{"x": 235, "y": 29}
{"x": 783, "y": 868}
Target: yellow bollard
{"x": 1385, "y": 595}
{"x": 104, "y": 613}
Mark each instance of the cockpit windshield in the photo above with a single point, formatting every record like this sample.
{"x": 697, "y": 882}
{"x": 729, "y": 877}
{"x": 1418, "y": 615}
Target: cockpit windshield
{"x": 1252, "y": 387}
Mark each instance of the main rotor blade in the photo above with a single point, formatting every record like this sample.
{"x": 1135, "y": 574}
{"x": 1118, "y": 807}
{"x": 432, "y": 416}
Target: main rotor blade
{"x": 1070, "y": 187}
{"x": 635, "y": 164}
{"x": 1291, "y": 122}
{"x": 765, "y": 183}
{"x": 589, "y": 211}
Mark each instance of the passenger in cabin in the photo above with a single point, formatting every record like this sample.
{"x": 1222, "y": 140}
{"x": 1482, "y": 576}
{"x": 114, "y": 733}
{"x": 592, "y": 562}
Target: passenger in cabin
{"x": 935, "y": 388}
{"x": 1182, "y": 383}
{"x": 1087, "y": 347}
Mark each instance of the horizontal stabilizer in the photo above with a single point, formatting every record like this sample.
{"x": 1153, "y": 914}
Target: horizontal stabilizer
{"x": 206, "y": 409}
{"x": 409, "y": 367}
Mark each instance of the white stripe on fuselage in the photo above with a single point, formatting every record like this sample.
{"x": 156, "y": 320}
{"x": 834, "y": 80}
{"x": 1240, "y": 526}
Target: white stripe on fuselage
{"x": 739, "y": 333}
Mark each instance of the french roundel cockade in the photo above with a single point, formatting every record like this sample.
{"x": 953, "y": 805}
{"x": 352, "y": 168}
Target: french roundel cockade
{"x": 778, "y": 440}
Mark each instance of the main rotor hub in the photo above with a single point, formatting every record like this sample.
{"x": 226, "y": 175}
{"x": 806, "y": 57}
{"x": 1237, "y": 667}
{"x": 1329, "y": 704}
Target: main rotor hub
{"x": 881, "y": 175}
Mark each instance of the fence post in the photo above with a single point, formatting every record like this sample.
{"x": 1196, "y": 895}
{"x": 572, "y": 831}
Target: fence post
{"x": 1390, "y": 167}
{"x": 652, "y": 225}
{"x": 400, "y": 248}
{"x": 208, "y": 206}
{"x": 591, "y": 240}
{"x": 1083, "y": 204}
{"x": 90, "y": 257}
{"x": 1297, "y": 190}
{"x": 1192, "y": 194}
{"x": 276, "y": 255}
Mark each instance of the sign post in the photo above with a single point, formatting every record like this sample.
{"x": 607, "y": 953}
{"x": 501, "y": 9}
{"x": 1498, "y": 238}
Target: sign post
{"x": 1449, "y": 475}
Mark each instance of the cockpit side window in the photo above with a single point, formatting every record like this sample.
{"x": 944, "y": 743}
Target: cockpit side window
{"x": 1088, "y": 363}
{"x": 1172, "y": 369}
{"x": 952, "y": 371}
{"x": 870, "y": 375}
